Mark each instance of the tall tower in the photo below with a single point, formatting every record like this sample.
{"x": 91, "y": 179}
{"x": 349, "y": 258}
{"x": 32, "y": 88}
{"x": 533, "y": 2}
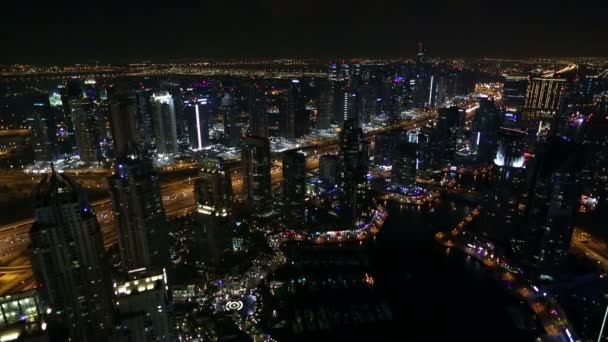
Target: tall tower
{"x": 325, "y": 104}
{"x": 198, "y": 112}
{"x": 82, "y": 113}
{"x": 68, "y": 259}
{"x": 213, "y": 190}
{"x": 123, "y": 123}
{"x": 544, "y": 100}
{"x": 294, "y": 185}
{"x": 165, "y": 126}
{"x": 144, "y": 119}
{"x": 294, "y": 118}
{"x": 405, "y": 165}
{"x": 353, "y": 166}
{"x": 232, "y": 123}
{"x": 256, "y": 106}
{"x": 43, "y": 129}
{"x": 256, "y": 160}
{"x": 139, "y": 214}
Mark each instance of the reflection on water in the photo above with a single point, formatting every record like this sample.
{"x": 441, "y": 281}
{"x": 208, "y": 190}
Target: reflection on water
{"x": 400, "y": 284}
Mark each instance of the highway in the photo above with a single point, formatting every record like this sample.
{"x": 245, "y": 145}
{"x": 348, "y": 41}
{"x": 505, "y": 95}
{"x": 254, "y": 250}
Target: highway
{"x": 592, "y": 247}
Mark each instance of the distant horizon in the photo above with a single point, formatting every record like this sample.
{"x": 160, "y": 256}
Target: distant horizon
{"x": 160, "y": 60}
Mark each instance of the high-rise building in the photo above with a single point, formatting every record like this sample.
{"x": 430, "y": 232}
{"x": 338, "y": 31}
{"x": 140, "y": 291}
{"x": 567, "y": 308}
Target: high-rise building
{"x": 213, "y": 190}
{"x": 144, "y": 307}
{"x": 256, "y": 106}
{"x": 294, "y": 185}
{"x": 232, "y": 122}
{"x": 144, "y": 119}
{"x": 123, "y": 123}
{"x": 384, "y": 146}
{"x": 368, "y": 103}
{"x": 405, "y": 164}
{"x": 484, "y": 130}
{"x": 82, "y": 113}
{"x": 560, "y": 195}
{"x": 43, "y": 124}
{"x": 256, "y": 161}
{"x": 68, "y": 259}
{"x": 293, "y": 118}
{"x": 139, "y": 215}
{"x": 325, "y": 104}
{"x": 421, "y": 63}
{"x": 436, "y": 94}
{"x": 164, "y": 122}
{"x": 507, "y": 204}
{"x": 197, "y": 112}
{"x": 328, "y": 168}
{"x": 544, "y": 100}
{"x": 353, "y": 167}
{"x": 514, "y": 92}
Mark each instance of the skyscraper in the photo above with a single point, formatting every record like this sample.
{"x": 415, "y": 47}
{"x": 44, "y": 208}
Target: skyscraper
{"x": 164, "y": 122}
{"x": 353, "y": 167}
{"x": 560, "y": 196}
{"x": 405, "y": 165}
{"x": 139, "y": 214}
{"x": 145, "y": 310}
{"x": 328, "y": 168}
{"x": 123, "y": 123}
{"x": 256, "y": 160}
{"x": 42, "y": 121}
{"x": 197, "y": 111}
{"x": 514, "y": 92}
{"x": 232, "y": 122}
{"x": 213, "y": 190}
{"x": 385, "y": 145}
{"x": 68, "y": 259}
{"x": 82, "y": 113}
{"x": 256, "y": 106}
{"x": 294, "y": 185}
{"x": 294, "y": 118}
{"x": 144, "y": 119}
{"x": 544, "y": 100}
{"x": 325, "y": 104}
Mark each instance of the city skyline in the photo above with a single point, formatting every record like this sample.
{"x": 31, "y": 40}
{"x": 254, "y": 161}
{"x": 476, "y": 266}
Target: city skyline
{"x": 244, "y": 198}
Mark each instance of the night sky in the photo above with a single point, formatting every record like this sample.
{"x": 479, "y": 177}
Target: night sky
{"x": 112, "y": 31}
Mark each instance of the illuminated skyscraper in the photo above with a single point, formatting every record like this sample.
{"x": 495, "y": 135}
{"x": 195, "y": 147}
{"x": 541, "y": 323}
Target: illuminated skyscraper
{"x": 213, "y": 190}
{"x": 514, "y": 92}
{"x": 544, "y": 100}
{"x": 232, "y": 122}
{"x": 353, "y": 167}
{"x": 68, "y": 259}
{"x": 42, "y": 121}
{"x": 294, "y": 185}
{"x": 256, "y": 160}
{"x": 145, "y": 310}
{"x": 165, "y": 126}
{"x": 197, "y": 111}
{"x": 82, "y": 113}
{"x": 144, "y": 119}
{"x": 139, "y": 214}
